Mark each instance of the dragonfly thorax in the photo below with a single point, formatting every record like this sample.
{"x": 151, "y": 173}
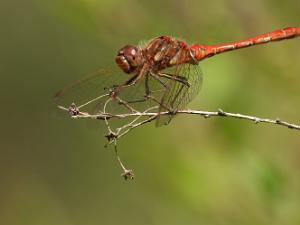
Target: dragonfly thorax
{"x": 129, "y": 58}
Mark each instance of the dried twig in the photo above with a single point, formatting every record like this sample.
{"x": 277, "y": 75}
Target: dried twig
{"x": 140, "y": 118}
{"x": 205, "y": 114}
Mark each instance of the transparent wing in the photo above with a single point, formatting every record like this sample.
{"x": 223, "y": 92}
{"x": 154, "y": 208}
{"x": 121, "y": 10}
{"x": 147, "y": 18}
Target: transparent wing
{"x": 89, "y": 92}
{"x": 177, "y": 94}
{"x": 92, "y": 94}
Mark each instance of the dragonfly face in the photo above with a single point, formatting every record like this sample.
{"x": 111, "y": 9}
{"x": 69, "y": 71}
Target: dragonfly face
{"x": 129, "y": 58}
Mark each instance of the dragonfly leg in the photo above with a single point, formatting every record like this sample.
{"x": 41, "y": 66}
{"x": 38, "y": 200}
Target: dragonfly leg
{"x": 183, "y": 80}
{"x": 156, "y": 77}
{"x": 148, "y": 92}
{"x": 165, "y": 86}
{"x": 147, "y": 95}
{"x": 178, "y": 78}
{"x": 147, "y": 89}
{"x": 130, "y": 82}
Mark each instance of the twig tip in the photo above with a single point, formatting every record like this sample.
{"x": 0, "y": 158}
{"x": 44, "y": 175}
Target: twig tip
{"x": 128, "y": 175}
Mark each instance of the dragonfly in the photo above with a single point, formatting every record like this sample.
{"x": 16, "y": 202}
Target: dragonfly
{"x": 163, "y": 74}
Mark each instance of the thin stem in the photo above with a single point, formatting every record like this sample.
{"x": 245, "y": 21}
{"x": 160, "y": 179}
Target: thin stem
{"x": 127, "y": 174}
{"x": 105, "y": 118}
{"x": 206, "y": 114}
{"x": 95, "y": 99}
{"x": 113, "y": 137}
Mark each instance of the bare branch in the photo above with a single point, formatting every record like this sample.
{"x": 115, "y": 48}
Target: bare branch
{"x": 139, "y": 118}
{"x": 205, "y": 114}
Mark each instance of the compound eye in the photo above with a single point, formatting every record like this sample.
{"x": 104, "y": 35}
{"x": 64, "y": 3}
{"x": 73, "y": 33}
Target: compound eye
{"x": 127, "y": 58}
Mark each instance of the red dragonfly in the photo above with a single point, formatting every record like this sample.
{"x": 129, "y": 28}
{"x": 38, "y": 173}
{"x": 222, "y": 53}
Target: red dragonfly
{"x": 164, "y": 73}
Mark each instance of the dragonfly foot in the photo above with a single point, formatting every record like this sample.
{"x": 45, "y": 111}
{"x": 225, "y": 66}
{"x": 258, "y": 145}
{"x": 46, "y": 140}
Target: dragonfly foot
{"x": 114, "y": 91}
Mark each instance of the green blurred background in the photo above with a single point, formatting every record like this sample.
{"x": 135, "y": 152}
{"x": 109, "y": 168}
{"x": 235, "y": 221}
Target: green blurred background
{"x": 54, "y": 170}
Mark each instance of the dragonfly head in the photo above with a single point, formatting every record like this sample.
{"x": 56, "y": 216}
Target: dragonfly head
{"x": 129, "y": 58}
